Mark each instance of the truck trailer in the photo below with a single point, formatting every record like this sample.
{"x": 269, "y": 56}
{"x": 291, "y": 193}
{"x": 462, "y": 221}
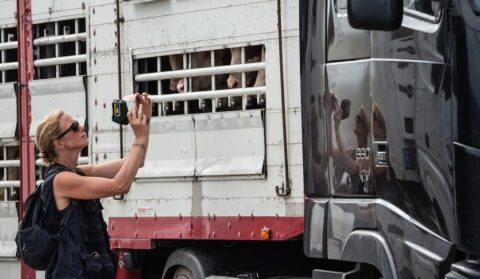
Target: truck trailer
{"x": 289, "y": 139}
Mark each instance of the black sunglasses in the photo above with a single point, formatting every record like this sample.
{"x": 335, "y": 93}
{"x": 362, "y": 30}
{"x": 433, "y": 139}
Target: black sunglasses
{"x": 74, "y": 127}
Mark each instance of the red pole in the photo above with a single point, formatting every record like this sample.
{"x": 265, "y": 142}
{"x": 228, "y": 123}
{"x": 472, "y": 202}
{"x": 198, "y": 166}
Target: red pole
{"x": 25, "y": 74}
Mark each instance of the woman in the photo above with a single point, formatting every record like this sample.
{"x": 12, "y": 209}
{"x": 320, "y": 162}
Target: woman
{"x": 352, "y": 174}
{"x": 72, "y": 192}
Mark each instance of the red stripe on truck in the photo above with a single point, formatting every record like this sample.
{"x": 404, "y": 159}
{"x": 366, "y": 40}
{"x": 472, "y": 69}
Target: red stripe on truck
{"x": 144, "y": 229}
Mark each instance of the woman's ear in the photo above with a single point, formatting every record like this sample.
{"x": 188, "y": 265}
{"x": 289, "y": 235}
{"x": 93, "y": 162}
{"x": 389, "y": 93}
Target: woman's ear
{"x": 58, "y": 144}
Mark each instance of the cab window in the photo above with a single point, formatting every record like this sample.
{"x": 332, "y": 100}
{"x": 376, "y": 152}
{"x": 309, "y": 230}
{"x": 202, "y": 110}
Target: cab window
{"x": 476, "y": 6}
{"x": 424, "y": 6}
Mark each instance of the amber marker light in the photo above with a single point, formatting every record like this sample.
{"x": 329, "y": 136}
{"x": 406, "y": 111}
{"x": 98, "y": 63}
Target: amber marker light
{"x": 265, "y": 233}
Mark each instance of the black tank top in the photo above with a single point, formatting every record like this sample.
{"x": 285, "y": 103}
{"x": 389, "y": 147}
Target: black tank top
{"x": 84, "y": 248}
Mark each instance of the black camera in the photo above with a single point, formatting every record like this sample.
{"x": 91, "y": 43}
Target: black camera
{"x": 345, "y": 106}
{"x": 119, "y": 112}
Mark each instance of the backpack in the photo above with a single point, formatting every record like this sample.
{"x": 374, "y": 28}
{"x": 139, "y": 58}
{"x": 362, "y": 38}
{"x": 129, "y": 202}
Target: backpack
{"x": 36, "y": 245}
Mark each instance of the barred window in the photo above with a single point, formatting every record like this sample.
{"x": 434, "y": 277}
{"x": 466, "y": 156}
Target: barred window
{"x": 9, "y": 173}
{"x": 60, "y": 48}
{"x": 8, "y": 55}
{"x": 204, "y": 81}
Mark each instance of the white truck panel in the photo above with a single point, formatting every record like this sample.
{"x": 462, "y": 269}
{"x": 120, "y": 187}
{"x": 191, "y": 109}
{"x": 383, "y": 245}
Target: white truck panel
{"x": 191, "y": 30}
{"x": 105, "y": 63}
{"x": 8, "y": 229}
{"x": 275, "y": 154}
{"x": 103, "y": 14}
{"x": 8, "y": 107}
{"x": 200, "y": 198}
{"x": 103, "y": 89}
{"x": 230, "y": 143}
{"x": 104, "y": 40}
{"x": 67, "y": 93}
{"x": 274, "y": 126}
{"x": 7, "y": 13}
{"x": 56, "y": 10}
{"x": 173, "y": 149}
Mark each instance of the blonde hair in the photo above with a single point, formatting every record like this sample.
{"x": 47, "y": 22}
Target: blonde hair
{"x": 48, "y": 131}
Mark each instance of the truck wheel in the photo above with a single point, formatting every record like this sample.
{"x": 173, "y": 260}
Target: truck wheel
{"x": 194, "y": 263}
{"x": 183, "y": 272}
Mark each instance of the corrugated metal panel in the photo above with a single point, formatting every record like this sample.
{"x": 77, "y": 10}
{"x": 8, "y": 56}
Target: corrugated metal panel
{"x": 8, "y": 229}
{"x": 67, "y": 94}
{"x": 8, "y": 107}
{"x": 172, "y": 148}
{"x": 230, "y": 143}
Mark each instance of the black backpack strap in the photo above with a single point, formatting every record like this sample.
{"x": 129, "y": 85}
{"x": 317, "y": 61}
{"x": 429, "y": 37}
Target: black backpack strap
{"x": 63, "y": 222}
{"x": 52, "y": 171}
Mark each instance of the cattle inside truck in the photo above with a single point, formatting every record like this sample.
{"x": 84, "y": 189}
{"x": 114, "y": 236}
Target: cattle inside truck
{"x": 370, "y": 174}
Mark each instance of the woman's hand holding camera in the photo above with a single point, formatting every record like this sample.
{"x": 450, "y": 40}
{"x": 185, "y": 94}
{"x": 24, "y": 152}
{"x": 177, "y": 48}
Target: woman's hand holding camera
{"x": 144, "y": 100}
{"x": 138, "y": 117}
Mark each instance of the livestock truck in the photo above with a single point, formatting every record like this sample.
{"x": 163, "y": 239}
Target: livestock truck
{"x": 339, "y": 152}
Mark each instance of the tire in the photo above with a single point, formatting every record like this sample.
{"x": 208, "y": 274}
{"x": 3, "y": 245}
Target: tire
{"x": 183, "y": 272}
